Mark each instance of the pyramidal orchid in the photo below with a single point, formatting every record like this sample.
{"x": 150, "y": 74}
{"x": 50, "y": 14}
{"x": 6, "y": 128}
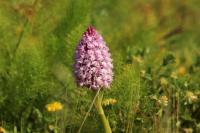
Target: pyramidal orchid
{"x": 93, "y": 69}
{"x": 93, "y": 63}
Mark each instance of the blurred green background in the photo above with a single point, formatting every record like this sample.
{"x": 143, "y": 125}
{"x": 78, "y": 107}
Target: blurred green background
{"x": 155, "y": 47}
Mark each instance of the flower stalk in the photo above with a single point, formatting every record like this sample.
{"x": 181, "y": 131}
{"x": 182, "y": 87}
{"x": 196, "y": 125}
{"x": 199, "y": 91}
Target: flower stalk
{"x": 105, "y": 122}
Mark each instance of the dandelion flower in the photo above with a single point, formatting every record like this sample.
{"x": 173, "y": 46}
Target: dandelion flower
{"x": 55, "y": 106}
{"x": 109, "y": 101}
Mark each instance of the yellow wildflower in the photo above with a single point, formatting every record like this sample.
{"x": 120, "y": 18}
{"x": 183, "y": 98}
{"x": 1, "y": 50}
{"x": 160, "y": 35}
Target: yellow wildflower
{"x": 137, "y": 59}
{"x": 142, "y": 72}
{"x": 191, "y": 97}
{"x": 109, "y": 101}
{"x": 174, "y": 75}
{"x": 163, "y": 100}
{"x": 181, "y": 70}
{"x": 2, "y": 130}
{"x": 55, "y": 106}
{"x": 163, "y": 81}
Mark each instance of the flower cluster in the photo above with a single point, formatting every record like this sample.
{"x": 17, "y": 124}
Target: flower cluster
{"x": 93, "y": 63}
{"x": 163, "y": 100}
{"x": 55, "y": 106}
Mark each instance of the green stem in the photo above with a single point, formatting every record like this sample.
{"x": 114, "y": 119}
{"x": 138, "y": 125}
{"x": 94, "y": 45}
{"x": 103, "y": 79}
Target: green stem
{"x": 98, "y": 105}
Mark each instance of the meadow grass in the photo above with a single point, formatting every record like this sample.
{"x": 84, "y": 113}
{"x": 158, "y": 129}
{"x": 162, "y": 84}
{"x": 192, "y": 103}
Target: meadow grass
{"x": 156, "y": 57}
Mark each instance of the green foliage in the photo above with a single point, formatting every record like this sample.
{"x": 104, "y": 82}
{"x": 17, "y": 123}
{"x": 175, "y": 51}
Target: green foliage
{"x": 155, "y": 51}
{"x": 168, "y": 60}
